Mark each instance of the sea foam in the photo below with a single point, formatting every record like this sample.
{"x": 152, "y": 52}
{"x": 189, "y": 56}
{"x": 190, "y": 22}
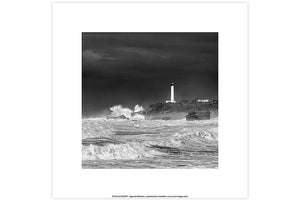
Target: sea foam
{"x": 119, "y": 110}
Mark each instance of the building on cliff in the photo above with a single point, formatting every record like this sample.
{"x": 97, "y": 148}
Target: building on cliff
{"x": 203, "y": 100}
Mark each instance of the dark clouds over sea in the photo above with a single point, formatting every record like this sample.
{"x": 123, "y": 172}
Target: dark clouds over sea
{"x": 137, "y": 68}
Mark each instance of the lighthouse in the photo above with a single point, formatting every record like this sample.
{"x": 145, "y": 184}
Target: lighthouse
{"x": 172, "y": 95}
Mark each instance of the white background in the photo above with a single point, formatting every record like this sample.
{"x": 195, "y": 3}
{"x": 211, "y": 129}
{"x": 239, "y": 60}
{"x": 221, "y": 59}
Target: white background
{"x": 25, "y": 87}
{"x": 230, "y": 20}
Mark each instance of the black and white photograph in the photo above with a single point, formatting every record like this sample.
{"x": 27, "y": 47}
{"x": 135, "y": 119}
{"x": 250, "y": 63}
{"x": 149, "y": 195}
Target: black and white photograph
{"x": 126, "y": 99}
{"x": 150, "y": 100}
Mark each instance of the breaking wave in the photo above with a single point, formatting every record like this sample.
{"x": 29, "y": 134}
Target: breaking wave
{"x": 117, "y": 151}
{"x": 138, "y": 108}
{"x": 119, "y": 111}
{"x": 110, "y": 139}
{"x": 120, "y": 141}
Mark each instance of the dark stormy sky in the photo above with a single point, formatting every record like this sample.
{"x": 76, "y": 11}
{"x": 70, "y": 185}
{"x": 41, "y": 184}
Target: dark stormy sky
{"x": 137, "y": 68}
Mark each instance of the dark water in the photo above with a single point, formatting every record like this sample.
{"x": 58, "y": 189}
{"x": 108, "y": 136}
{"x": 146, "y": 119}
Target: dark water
{"x": 149, "y": 144}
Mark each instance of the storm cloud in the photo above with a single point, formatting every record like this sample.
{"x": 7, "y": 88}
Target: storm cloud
{"x": 137, "y": 68}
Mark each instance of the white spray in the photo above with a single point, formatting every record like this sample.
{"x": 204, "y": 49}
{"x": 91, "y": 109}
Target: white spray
{"x": 119, "y": 110}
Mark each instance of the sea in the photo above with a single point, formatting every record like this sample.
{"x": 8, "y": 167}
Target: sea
{"x": 149, "y": 144}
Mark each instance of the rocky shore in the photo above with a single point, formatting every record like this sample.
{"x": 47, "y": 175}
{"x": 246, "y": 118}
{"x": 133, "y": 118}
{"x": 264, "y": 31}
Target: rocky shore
{"x": 189, "y": 110}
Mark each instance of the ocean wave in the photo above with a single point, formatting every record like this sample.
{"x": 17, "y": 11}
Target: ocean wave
{"x": 120, "y": 111}
{"x": 96, "y": 127}
{"x": 138, "y": 108}
{"x": 111, "y": 139}
{"x": 117, "y": 151}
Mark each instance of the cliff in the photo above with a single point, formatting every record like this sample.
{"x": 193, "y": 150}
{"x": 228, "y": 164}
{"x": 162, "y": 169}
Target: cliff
{"x": 183, "y": 106}
{"x": 181, "y": 109}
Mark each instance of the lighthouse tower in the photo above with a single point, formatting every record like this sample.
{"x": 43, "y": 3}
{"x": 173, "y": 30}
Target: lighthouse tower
{"x": 172, "y": 95}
